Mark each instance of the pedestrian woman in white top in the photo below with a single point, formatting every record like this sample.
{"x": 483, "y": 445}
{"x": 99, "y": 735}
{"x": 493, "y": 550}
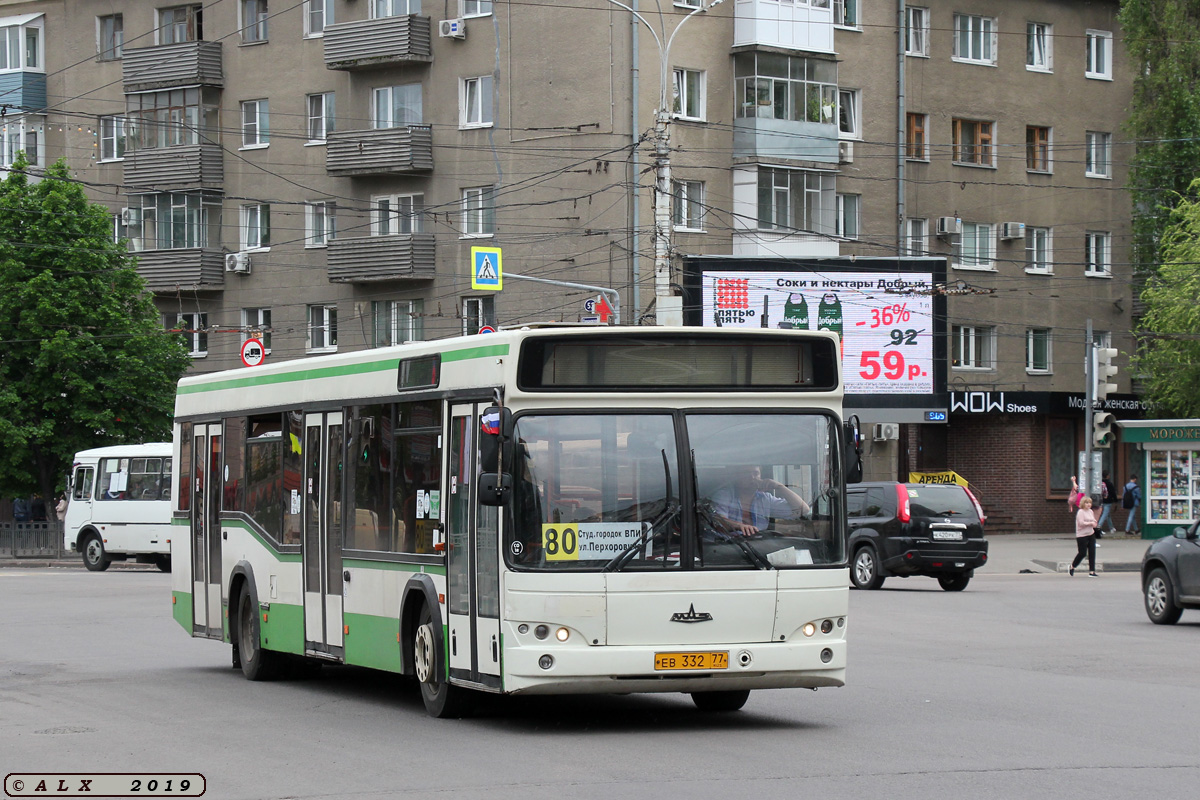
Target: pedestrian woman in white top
{"x": 1085, "y": 536}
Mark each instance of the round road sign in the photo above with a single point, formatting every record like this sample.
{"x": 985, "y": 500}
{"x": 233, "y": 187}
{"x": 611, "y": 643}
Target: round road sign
{"x": 486, "y": 329}
{"x": 253, "y": 352}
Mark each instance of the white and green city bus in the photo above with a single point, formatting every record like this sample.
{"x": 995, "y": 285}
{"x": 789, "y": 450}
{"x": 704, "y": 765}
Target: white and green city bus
{"x": 534, "y": 511}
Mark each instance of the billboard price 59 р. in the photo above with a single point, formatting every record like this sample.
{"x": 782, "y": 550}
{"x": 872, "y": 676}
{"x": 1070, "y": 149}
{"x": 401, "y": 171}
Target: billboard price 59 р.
{"x": 885, "y": 319}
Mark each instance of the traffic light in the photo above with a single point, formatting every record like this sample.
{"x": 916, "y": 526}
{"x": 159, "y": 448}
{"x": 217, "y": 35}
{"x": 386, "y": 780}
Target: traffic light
{"x": 1102, "y": 433}
{"x": 1105, "y": 369}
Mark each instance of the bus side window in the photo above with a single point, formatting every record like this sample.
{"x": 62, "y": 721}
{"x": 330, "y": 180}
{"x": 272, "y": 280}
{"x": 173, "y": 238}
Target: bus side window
{"x": 165, "y": 492}
{"x": 83, "y": 484}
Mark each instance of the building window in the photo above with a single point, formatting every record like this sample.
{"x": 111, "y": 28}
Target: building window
{"x": 111, "y": 32}
{"x": 849, "y": 113}
{"x": 1099, "y": 55}
{"x": 397, "y": 214}
{"x": 1037, "y": 148}
{"x": 918, "y": 237}
{"x": 112, "y": 138}
{"x": 972, "y": 347}
{"x": 687, "y": 208}
{"x": 1097, "y": 254}
{"x": 172, "y": 117}
{"x": 793, "y": 200}
{"x": 1097, "y": 154}
{"x": 916, "y": 147}
{"x": 258, "y": 320}
{"x": 21, "y": 134}
{"x": 1037, "y": 250}
{"x": 21, "y": 47}
{"x": 397, "y": 106}
{"x": 320, "y": 116}
{"x": 394, "y": 8}
{"x": 397, "y": 322}
{"x": 181, "y": 24}
{"x": 916, "y": 31}
{"x": 845, "y": 13}
{"x": 317, "y": 14}
{"x": 1037, "y": 350}
{"x": 689, "y": 94}
{"x": 175, "y": 220}
{"x": 775, "y": 86}
{"x": 976, "y": 247}
{"x": 319, "y": 223}
{"x": 687, "y": 3}
{"x": 475, "y": 107}
{"x": 479, "y": 211}
{"x": 254, "y": 20}
{"x": 256, "y": 131}
{"x": 847, "y": 215}
{"x": 975, "y": 39}
{"x": 477, "y": 312}
{"x": 192, "y": 328}
{"x": 972, "y": 143}
{"x": 322, "y": 329}
{"x": 476, "y": 8}
{"x": 1039, "y": 47}
{"x": 256, "y": 226}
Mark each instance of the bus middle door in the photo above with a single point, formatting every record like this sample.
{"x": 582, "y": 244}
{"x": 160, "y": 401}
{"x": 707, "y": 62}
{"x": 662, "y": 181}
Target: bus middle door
{"x": 472, "y": 558}
{"x": 206, "y": 486}
{"x": 323, "y": 442}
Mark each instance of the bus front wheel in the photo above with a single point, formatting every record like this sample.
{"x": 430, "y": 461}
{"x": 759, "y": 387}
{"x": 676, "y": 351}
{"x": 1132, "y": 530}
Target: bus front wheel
{"x": 94, "y": 557}
{"x": 441, "y": 699}
{"x": 163, "y": 563}
{"x": 720, "y": 701}
{"x": 257, "y": 664}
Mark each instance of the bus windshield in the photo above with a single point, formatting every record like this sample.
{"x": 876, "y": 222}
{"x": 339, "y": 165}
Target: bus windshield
{"x": 637, "y": 491}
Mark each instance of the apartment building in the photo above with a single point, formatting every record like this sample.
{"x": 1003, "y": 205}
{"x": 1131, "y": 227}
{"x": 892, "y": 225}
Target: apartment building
{"x": 317, "y": 172}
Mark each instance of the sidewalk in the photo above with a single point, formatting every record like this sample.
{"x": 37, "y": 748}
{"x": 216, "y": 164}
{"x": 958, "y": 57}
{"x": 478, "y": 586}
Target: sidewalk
{"x": 1008, "y": 554}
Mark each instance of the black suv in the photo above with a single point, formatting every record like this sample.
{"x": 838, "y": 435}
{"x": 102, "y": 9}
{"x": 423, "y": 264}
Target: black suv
{"x": 907, "y": 529}
{"x": 1171, "y": 575}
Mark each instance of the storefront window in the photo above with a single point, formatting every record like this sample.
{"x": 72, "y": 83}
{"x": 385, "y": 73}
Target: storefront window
{"x": 1173, "y": 485}
{"x": 1061, "y": 453}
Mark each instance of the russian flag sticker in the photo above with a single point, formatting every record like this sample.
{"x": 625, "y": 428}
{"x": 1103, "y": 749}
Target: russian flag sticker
{"x": 490, "y": 423}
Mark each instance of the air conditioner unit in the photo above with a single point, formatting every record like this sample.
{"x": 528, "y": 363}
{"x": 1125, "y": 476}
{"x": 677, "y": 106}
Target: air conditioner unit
{"x": 886, "y": 430}
{"x": 453, "y": 28}
{"x": 845, "y": 152}
{"x": 237, "y": 262}
{"x": 126, "y": 216}
{"x": 1012, "y": 230}
{"x": 948, "y": 226}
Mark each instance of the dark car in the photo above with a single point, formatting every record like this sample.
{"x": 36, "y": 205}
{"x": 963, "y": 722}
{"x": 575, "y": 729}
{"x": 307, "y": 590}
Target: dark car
{"x": 907, "y": 529}
{"x": 1171, "y": 575}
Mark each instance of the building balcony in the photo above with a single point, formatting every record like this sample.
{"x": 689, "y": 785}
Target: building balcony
{"x": 196, "y": 166}
{"x": 367, "y": 259}
{"x": 23, "y": 91}
{"x": 374, "y": 43}
{"x": 385, "y": 151}
{"x": 193, "y": 268}
{"x": 761, "y": 138}
{"x": 168, "y": 65}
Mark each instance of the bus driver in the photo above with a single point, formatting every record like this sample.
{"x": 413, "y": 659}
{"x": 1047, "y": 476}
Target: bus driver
{"x": 747, "y": 503}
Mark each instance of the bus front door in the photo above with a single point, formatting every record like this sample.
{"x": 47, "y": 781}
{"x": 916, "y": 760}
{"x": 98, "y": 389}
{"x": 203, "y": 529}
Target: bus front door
{"x": 206, "y": 530}
{"x": 472, "y": 558}
{"x": 323, "y": 441}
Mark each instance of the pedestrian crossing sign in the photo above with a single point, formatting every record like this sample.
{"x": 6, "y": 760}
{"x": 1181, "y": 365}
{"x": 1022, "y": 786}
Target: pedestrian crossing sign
{"x": 486, "y": 270}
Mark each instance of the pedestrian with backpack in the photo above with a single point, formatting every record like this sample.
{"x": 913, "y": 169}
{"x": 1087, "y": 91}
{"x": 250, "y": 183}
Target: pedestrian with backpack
{"x": 1108, "y": 499}
{"x": 1131, "y": 500}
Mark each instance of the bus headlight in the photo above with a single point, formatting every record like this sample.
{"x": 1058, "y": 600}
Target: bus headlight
{"x": 541, "y": 631}
{"x": 546, "y": 661}
{"x": 809, "y": 629}
{"x": 562, "y": 634}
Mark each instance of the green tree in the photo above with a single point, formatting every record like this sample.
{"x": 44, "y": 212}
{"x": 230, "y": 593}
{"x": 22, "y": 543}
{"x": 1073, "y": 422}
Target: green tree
{"x": 1164, "y": 117}
{"x": 84, "y": 359}
{"x": 1169, "y": 352}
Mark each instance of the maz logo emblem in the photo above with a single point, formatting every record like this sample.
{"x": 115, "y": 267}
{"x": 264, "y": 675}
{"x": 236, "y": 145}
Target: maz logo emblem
{"x": 691, "y": 616}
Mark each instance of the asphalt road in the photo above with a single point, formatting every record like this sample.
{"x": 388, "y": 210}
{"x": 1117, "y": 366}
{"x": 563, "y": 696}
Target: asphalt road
{"x": 1023, "y": 686}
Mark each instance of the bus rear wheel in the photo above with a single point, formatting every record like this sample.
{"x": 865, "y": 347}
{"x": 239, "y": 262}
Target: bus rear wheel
{"x": 94, "y": 557}
{"x": 441, "y": 699}
{"x": 720, "y": 701}
{"x": 257, "y": 664}
{"x": 163, "y": 563}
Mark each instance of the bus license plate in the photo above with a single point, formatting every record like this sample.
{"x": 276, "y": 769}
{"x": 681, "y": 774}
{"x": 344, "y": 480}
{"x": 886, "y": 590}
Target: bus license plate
{"x": 713, "y": 660}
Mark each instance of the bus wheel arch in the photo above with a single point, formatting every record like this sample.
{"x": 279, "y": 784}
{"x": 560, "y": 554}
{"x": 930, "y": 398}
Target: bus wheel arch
{"x": 91, "y": 547}
{"x": 257, "y": 663}
{"x": 418, "y": 593}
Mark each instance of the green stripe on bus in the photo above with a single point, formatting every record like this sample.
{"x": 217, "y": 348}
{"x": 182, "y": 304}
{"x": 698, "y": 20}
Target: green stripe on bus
{"x": 393, "y": 566}
{"x": 181, "y": 609}
{"x": 317, "y": 373}
{"x": 237, "y": 523}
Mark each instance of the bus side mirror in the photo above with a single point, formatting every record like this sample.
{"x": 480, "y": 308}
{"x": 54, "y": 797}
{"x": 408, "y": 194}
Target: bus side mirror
{"x": 853, "y": 451}
{"x": 494, "y": 488}
{"x": 495, "y": 432}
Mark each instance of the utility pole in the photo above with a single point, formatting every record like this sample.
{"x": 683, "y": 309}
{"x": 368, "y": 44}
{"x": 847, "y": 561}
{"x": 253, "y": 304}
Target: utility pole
{"x": 1090, "y": 380}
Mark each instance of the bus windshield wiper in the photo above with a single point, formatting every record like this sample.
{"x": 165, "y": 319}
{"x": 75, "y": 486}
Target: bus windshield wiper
{"x": 670, "y": 509}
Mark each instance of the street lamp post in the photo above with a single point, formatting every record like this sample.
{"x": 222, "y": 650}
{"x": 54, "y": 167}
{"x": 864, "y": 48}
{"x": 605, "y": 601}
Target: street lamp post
{"x": 662, "y": 159}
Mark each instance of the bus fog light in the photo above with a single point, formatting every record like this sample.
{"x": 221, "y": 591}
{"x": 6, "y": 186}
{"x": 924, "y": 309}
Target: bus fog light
{"x": 745, "y": 658}
{"x": 546, "y": 661}
{"x": 841, "y": 622}
{"x": 826, "y": 655}
{"x": 541, "y": 631}
{"x": 522, "y": 628}
{"x": 562, "y": 634}
{"x": 827, "y": 626}
{"x": 809, "y": 629}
